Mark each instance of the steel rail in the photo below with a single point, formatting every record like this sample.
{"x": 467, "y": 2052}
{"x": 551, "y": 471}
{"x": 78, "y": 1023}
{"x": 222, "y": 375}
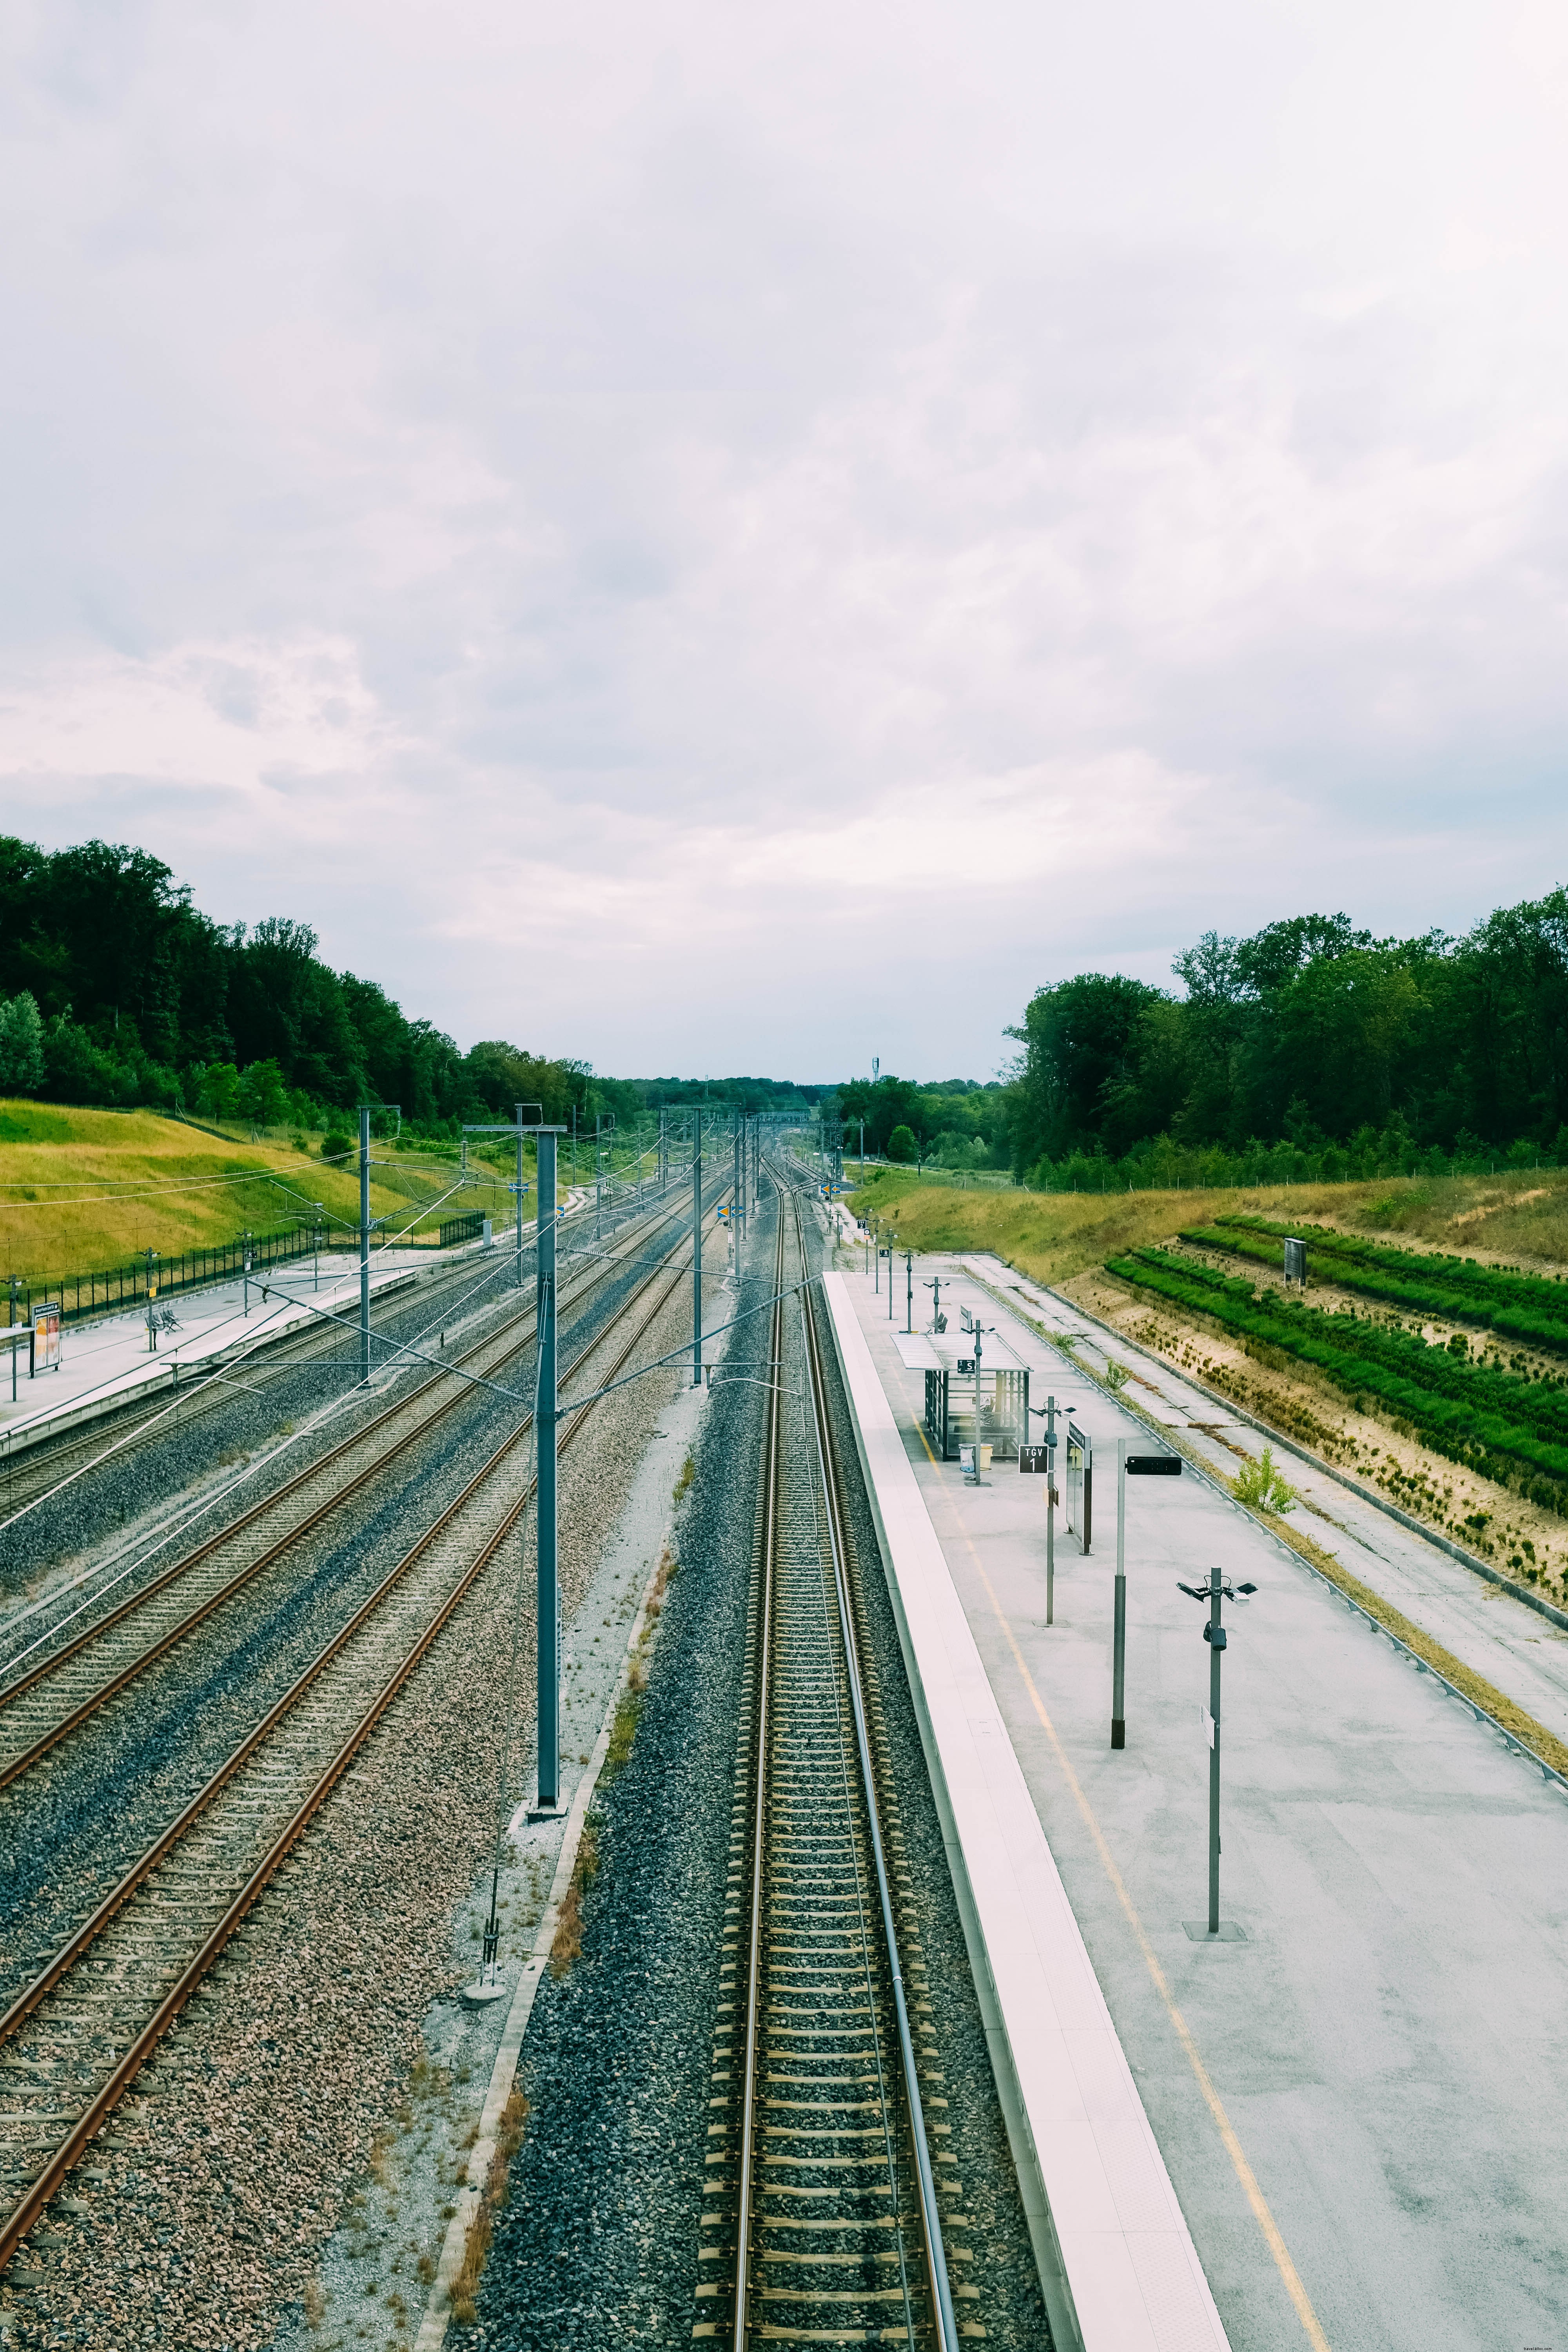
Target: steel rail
{"x": 760, "y": 1767}
{"x": 68, "y": 2151}
{"x": 827, "y": 1458}
{"x": 24, "y": 1759}
{"x": 897, "y": 2091}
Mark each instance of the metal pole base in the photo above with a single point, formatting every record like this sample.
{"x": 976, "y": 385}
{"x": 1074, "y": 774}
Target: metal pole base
{"x": 1117, "y": 1731}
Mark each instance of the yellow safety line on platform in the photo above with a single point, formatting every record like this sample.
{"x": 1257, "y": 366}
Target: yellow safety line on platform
{"x": 1244, "y": 2172}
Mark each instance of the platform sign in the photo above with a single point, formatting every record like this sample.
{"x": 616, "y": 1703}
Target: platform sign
{"x": 47, "y": 1335}
{"x": 966, "y": 1364}
{"x": 1080, "y": 1485}
{"x": 1154, "y": 1465}
{"x": 1037, "y": 1458}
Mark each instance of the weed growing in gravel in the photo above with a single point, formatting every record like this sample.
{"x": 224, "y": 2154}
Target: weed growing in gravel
{"x": 315, "y": 2301}
{"x": 509, "y": 2140}
{"x": 689, "y": 1472}
{"x": 568, "y": 1940}
{"x": 1260, "y": 1487}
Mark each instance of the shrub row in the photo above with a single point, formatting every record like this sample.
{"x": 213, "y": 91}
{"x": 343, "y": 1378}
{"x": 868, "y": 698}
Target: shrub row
{"x": 1469, "y": 1413}
{"x": 1529, "y": 1308}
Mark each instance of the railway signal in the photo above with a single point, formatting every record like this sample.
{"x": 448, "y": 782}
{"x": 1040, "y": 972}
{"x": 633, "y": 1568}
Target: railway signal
{"x": 1215, "y": 1634}
{"x": 1128, "y": 1466}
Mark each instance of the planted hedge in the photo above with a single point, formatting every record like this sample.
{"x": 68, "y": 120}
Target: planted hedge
{"x": 1529, "y": 1308}
{"x": 1473, "y": 1413}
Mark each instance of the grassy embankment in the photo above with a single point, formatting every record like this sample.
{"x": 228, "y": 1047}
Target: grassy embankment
{"x": 1514, "y": 1219}
{"x": 82, "y": 1190}
{"x": 1520, "y": 1220}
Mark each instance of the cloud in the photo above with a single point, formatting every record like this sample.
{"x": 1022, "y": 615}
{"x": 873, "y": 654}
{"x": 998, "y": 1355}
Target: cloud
{"x": 658, "y": 534}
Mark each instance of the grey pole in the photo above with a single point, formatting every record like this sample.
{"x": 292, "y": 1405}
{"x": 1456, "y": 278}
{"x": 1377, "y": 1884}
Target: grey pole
{"x": 1052, "y": 1511}
{"x": 316, "y": 1247}
{"x": 1118, "y": 1638}
{"x": 697, "y": 1250}
{"x": 548, "y": 1576}
{"x": 364, "y": 1247}
{"x": 518, "y": 1107}
{"x": 891, "y": 1239}
{"x": 909, "y": 1291}
{"x": 1216, "y": 1647}
{"x": 736, "y": 1208}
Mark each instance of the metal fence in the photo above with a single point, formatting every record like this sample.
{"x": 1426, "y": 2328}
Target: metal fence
{"x": 466, "y": 1228}
{"x": 82, "y": 1295}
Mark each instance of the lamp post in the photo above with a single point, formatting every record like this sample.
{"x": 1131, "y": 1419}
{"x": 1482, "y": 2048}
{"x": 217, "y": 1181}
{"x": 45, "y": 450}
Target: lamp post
{"x": 1214, "y": 1635}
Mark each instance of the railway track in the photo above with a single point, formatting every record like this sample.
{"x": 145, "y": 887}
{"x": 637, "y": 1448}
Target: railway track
{"x": 63, "y": 1690}
{"x": 72, "y": 2042}
{"x": 828, "y": 2188}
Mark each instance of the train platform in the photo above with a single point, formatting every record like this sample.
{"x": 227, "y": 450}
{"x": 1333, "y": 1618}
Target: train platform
{"x": 1352, "y": 2101}
{"x": 107, "y": 1363}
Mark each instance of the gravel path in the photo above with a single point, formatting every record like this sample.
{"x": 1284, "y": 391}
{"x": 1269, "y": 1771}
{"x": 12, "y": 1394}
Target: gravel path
{"x": 281, "y": 2092}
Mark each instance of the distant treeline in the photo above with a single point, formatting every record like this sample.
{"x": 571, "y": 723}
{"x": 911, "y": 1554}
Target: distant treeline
{"x": 953, "y": 1122}
{"x": 115, "y": 990}
{"x": 1310, "y": 1049}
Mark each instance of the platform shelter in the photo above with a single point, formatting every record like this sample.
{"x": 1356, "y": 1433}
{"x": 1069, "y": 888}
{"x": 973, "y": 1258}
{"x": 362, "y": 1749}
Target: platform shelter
{"x": 950, "y": 1382}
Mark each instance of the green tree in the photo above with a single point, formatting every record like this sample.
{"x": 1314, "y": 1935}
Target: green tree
{"x": 262, "y": 1096}
{"x": 21, "y": 1046}
{"x": 901, "y": 1145}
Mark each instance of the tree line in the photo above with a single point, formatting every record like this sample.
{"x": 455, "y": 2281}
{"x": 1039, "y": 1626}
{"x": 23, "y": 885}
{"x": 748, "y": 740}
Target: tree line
{"x": 118, "y": 991}
{"x": 1310, "y": 1048}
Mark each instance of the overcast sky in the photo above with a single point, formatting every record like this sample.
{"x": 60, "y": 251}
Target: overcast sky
{"x": 714, "y": 538}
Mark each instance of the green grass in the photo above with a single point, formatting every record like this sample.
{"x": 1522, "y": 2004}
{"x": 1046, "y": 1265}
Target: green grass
{"x": 85, "y": 1189}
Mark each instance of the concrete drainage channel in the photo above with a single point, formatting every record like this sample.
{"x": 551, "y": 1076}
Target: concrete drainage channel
{"x": 406, "y": 2262}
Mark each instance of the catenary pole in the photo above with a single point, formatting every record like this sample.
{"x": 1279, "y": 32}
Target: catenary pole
{"x": 697, "y": 1250}
{"x": 518, "y": 1107}
{"x": 545, "y": 1548}
{"x": 364, "y": 1245}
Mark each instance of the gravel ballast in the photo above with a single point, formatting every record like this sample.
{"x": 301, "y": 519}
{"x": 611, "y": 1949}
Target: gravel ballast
{"x": 599, "y": 2242}
{"x": 280, "y": 2094}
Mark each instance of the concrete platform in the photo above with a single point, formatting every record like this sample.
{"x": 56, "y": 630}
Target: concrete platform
{"x": 1358, "y": 2103}
{"x": 106, "y": 1363}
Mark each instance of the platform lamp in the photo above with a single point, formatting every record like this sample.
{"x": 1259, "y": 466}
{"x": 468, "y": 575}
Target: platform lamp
{"x": 1217, "y": 1590}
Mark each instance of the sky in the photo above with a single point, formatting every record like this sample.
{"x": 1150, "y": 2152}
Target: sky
{"x": 714, "y": 539}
